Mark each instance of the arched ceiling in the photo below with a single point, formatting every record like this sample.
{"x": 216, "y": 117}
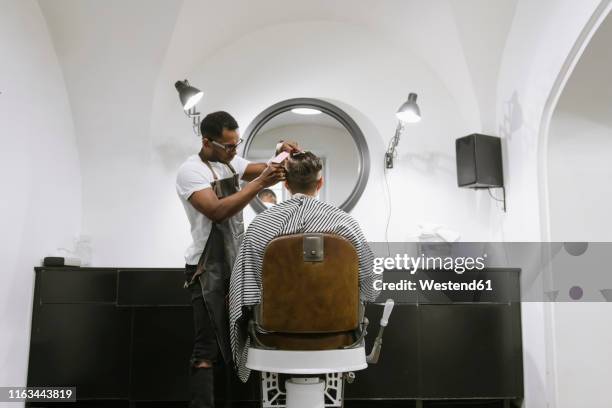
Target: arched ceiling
{"x": 111, "y": 52}
{"x": 106, "y": 47}
{"x": 462, "y": 42}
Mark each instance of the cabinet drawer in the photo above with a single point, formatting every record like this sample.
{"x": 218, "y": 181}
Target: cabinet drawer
{"x": 76, "y": 285}
{"x": 152, "y": 287}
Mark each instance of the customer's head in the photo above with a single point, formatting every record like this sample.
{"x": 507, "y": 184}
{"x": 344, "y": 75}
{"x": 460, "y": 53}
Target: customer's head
{"x": 304, "y": 173}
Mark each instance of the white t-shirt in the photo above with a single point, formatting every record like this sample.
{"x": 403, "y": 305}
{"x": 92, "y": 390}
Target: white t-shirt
{"x": 194, "y": 175}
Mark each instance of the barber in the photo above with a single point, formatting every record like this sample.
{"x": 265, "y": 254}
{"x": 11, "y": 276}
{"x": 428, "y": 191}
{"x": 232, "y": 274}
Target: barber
{"x": 208, "y": 187}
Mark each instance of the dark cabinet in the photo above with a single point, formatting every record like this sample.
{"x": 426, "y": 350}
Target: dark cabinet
{"x": 442, "y": 351}
{"x": 396, "y": 375}
{"x": 447, "y": 345}
{"x": 160, "y": 353}
{"x": 122, "y": 334}
{"x": 126, "y": 334}
{"x": 82, "y": 345}
{"x": 468, "y": 350}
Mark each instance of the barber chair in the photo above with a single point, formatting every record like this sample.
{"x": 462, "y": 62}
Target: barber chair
{"x": 310, "y": 325}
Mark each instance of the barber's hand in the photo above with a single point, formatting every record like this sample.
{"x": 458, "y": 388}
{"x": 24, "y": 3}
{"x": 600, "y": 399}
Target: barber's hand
{"x": 271, "y": 175}
{"x": 288, "y": 146}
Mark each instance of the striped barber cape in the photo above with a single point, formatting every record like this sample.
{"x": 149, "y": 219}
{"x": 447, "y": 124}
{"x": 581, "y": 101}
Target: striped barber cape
{"x": 300, "y": 214}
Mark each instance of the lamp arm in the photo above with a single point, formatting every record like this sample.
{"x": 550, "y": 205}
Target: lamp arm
{"x": 396, "y": 138}
{"x": 390, "y": 154}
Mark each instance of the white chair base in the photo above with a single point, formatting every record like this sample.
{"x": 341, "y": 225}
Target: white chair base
{"x": 304, "y": 392}
{"x": 274, "y": 397}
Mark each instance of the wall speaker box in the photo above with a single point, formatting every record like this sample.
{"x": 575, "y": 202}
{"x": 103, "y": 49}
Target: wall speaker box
{"x": 479, "y": 161}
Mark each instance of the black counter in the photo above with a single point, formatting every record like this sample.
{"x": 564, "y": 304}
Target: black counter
{"x": 126, "y": 334}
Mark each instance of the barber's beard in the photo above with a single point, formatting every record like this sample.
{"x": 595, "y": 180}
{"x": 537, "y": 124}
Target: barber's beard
{"x": 218, "y": 159}
{"x": 226, "y": 158}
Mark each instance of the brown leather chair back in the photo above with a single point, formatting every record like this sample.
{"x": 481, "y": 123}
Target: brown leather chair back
{"x": 310, "y": 291}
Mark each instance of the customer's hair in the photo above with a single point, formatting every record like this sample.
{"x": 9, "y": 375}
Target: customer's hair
{"x": 213, "y": 124}
{"x": 303, "y": 172}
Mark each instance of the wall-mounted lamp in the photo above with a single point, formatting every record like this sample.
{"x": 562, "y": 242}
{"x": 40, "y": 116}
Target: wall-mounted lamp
{"x": 190, "y": 96}
{"x": 409, "y": 112}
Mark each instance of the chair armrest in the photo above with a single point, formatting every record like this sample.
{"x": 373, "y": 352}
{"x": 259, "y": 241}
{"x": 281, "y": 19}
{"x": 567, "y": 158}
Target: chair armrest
{"x": 362, "y": 333}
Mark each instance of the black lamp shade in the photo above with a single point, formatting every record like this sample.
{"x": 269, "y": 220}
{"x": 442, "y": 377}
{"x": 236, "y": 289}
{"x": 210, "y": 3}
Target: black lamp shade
{"x": 188, "y": 95}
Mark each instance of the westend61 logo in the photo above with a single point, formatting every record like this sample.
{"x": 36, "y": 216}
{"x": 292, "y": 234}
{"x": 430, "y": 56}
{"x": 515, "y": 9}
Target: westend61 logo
{"x": 411, "y": 264}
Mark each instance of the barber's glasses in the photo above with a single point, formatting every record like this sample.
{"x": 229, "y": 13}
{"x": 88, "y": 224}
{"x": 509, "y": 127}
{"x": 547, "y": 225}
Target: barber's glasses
{"x": 228, "y": 147}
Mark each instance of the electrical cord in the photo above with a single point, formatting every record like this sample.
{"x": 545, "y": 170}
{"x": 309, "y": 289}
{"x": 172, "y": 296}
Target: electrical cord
{"x": 501, "y": 224}
{"x": 498, "y": 199}
{"x": 388, "y": 195}
{"x": 393, "y": 154}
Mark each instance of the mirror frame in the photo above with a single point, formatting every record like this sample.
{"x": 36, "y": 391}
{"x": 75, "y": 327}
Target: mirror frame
{"x": 333, "y": 111}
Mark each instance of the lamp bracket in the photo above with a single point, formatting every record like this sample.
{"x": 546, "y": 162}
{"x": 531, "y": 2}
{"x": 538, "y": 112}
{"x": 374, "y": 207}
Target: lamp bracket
{"x": 195, "y": 120}
{"x": 390, "y": 153}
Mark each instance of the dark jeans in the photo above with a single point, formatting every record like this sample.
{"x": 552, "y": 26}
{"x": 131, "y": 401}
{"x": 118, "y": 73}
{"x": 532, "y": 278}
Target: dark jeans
{"x": 205, "y": 345}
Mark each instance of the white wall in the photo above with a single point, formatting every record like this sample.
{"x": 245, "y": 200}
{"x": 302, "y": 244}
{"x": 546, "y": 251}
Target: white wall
{"x": 579, "y": 172}
{"x": 111, "y": 53}
{"x": 40, "y": 177}
{"x": 541, "y": 38}
{"x": 579, "y": 188}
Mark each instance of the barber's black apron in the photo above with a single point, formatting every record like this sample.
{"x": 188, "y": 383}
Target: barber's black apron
{"x": 216, "y": 262}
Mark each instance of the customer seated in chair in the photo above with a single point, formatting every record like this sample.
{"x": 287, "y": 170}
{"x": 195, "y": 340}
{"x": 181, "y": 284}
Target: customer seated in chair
{"x": 303, "y": 213}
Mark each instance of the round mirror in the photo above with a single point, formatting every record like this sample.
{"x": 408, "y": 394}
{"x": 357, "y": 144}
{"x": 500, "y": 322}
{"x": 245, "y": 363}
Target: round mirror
{"x": 325, "y": 130}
